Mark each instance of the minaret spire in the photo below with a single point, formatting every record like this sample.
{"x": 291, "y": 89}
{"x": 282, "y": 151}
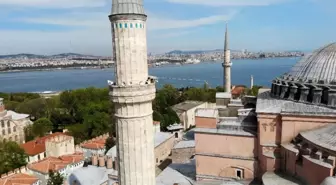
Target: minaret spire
{"x": 226, "y": 42}
{"x": 227, "y": 63}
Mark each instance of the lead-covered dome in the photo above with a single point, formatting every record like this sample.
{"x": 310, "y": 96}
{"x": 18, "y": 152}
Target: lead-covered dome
{"x": 320, "y": 66}
{"x": 311, "y": 80}
{"x": 329, "y": 181}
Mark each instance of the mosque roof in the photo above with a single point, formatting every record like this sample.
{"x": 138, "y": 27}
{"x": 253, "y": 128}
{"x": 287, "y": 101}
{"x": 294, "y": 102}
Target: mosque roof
{"x": 91, "y": 175}
{"x": 269, "y": 104}
{"x": 324, "y": 137}
{"x": 329, "y": 181}
{"x": 270, "y": 178}
{"x": 170, "y": 176}
{"x": 312, "y": 80}
{"x": 127, "y": 7}
{"x": 320, "y": 66}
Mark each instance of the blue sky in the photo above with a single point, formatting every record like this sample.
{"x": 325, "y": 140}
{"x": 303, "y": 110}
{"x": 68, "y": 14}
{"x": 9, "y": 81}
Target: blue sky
{"x": 56, "y": 26}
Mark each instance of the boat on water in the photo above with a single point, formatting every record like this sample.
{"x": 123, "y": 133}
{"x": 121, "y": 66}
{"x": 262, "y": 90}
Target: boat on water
{"x": 192, "y": 61}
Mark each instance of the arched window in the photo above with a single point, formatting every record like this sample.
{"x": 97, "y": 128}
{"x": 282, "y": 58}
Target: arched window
{"x": 3, "y": 132}
{"x": 2, "y": 123}
{"x": 8, "y": 123}
{"x": 120, "y": 25}
{"x": 176, "y": 135}
{"x": 14, "y": 129}
{"x": 136, "y": 25}
{"x": 125, "y": 25}
{"x": 9, "y": 130}
{"x": 131, "y": 25}
{"x": 16, "y": 138}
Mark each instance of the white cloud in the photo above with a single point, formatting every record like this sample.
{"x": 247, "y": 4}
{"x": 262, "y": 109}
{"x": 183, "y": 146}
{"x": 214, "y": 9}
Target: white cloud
{"x": 55, "y": 3}
{"x": 228, "y": 2}
{"x": 89, "y": 19}
{"x": 157, "y": 23}
{"x": 97, "y": 19}
{"x": 93, "y": 36}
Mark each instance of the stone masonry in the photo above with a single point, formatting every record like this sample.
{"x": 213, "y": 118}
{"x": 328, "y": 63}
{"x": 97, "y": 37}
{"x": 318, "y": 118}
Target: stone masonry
{"x": 132, "y": 94}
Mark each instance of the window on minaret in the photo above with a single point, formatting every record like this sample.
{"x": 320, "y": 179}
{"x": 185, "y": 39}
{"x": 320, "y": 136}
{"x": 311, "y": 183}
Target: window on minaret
{"x": 140, "y": 25}
{"x": 116, "y": 25}
{"x": 125, "y": 25}
{"x": 131, "y": 25}
{"x": 136, "y": 25}
{"x": 120, "y": 25}
{"x": 2, "y": 123}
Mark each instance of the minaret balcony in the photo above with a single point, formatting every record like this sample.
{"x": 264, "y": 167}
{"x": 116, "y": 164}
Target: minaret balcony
{"x": 227, "y": 64}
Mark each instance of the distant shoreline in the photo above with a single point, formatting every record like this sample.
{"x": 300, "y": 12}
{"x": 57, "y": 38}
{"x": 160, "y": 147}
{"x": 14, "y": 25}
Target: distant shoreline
{"x": 109, "y": 67}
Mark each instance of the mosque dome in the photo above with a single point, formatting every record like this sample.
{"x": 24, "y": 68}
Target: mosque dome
{"x": 329, "y": 181}
{"x": 311, "y": 80}
{"x": 320, "y": 66}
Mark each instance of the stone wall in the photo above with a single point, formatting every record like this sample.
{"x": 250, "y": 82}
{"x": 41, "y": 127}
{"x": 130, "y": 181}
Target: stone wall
{"x": 182, "y": 155}
{"x": 23, "y": 169}
{"x": 164, "y": 150}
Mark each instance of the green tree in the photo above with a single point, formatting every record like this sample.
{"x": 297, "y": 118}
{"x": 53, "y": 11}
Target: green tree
{"x": 12, "y": 156}
{"x": 252, "y": 91}
{"x": 41, "y": 127}
{"x": 37, "y": 108}
{"x": 110, "y": 142}
{"x": 79, "y": 132}
{"x": 55, "y": 178}
{"x": 97, "y": 124}
{"x": 169, "y": 117}
{"x": 29, "y": 135}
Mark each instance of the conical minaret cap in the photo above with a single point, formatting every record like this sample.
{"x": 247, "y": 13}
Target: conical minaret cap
{"x": 127, "y": 7}
{"x": 226, "y": 43}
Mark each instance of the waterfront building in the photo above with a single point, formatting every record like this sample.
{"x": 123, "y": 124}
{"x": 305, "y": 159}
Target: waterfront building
{"x": 12, "y": 124}
{"x": 287, "y": 139}
{"x": 132, "y": 94}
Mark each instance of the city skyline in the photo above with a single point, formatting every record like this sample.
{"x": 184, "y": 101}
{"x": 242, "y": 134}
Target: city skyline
{"x": 43, "y": 27}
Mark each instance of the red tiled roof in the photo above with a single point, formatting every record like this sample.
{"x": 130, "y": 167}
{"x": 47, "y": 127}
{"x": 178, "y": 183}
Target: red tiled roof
{"x": 95, "y": 144}
{"x": 55, "y": 163}
{"x": 37, "y": 146}
{"x": 72, "y": 158}
{"x": 18, "y": 179}
{"x": 238, "y": 90}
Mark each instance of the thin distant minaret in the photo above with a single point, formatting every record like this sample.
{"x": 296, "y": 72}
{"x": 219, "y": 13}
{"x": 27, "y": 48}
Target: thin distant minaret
{"x": 251, "y": 81}
{"x": 227, "y": 63}
{"x": 132, "y": 94}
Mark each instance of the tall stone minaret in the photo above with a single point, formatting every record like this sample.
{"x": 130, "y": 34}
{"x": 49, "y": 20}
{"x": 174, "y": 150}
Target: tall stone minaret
{"x": 252, "y": 81}
{"x": 132, "y": 94}
{"x": 227, "y": 64}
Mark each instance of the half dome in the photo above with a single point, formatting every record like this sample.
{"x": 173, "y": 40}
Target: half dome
{"x": 329, "y": 181}
{"x": 319, "y": 67}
